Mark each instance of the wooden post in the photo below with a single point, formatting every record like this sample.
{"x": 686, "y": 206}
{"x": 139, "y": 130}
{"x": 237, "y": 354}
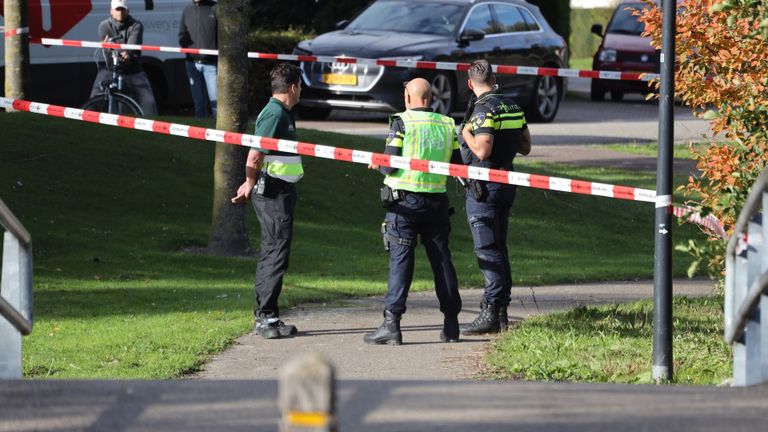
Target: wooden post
{"x": 307, "y": 395}
{"x": 16, "y": 48}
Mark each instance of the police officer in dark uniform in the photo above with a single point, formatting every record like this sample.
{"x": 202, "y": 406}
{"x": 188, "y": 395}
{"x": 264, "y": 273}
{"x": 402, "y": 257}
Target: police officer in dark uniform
{"x": 417, "y": 205}
{"x": 495, "y": 133}
{"x": 270, "y": 179}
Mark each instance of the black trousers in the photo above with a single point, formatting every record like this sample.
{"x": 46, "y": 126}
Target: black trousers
{"x": 276, "y": 219}
{"x": 423, "y": 215}
{"x": 136, "y": 86}
{"x": 489, "y": 222}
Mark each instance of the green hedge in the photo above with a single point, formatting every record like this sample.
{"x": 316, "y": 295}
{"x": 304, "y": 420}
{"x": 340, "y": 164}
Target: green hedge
{"x": 279, "y": 42}
{"x": 318, "y": 15}
{"x": 557, "y": 13}
{"x": 583, "y": 44}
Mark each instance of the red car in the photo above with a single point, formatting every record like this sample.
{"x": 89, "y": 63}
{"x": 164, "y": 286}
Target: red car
{"x": 623, "y": 49}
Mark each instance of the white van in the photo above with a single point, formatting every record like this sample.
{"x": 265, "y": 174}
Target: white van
{"x": 64, "y": 75}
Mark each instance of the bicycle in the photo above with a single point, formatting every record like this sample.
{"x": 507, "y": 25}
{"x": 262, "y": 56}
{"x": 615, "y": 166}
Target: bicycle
{"x": 111, "y": 99}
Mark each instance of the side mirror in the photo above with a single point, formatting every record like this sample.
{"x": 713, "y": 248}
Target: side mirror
{"x": 470, "y": 35}
{"x": 597, "y": 29}
{"x": 341, "y": 24}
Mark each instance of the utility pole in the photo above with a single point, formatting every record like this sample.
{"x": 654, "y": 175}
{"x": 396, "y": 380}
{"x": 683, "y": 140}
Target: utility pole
{"x": 16, "y": 48}
{"x": 662, "y": 257}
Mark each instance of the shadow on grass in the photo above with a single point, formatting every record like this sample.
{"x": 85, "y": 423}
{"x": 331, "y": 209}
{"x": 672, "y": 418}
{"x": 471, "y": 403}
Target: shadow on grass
{"x": 111, "y": 302}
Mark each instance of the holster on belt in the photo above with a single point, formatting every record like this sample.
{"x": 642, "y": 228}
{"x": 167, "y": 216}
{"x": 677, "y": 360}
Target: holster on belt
{"x": 389, "y": 196}
{"x": 476, "y": 189}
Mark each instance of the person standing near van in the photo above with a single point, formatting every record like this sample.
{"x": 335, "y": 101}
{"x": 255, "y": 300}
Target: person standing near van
{"x": 199, "y": 29}
{"x": 122, "y": 28}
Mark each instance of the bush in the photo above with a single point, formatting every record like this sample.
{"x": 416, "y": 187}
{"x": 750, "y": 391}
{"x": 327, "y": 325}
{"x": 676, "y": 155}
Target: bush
{"x": 278, "y": 42}
{"x": 582, "y": 43}
{"x": 722, "y": 53}
{"x": 309, "y": 15}
{"x": 557, "y": 13}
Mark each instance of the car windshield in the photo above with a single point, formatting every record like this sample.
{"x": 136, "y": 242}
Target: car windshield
{"x": 626, "y": 23}
{"x": 408, "y": 17}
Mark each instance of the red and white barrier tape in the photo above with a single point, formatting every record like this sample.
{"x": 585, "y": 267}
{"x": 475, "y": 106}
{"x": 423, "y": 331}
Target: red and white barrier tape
{"x": 710, "y": 221}
{"x": 15, "y": 32}
{"x": 430, "y": 65}
{"x": 338, "y": 153}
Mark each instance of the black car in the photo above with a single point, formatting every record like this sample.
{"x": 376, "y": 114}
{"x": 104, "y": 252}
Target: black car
{"x": 505, "y": 32}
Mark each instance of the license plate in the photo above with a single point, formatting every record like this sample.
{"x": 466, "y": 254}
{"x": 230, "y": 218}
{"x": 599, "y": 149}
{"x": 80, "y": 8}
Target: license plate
{"x": 339, "y": 79}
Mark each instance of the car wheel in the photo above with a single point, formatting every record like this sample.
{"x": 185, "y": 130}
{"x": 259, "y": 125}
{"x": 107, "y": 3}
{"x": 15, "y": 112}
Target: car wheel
{"x": 443, "y": 94}
{"x": 312, "y": 113}
{"x": 545, "y": 100}
{"x": 617, "y": 96}
{"x": 596, "y": 92}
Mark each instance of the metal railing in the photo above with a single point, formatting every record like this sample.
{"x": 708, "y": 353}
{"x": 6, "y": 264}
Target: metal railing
{"x": 15, "y": 293}
{"x": 746, "y": 289}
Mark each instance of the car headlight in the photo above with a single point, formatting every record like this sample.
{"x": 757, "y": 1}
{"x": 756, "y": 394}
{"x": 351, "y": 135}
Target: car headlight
{"x": 608, "y": 55}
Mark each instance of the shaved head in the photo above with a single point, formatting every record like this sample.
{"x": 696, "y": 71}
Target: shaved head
{"x": 418, "y": 93}
{"x": 419, "y": 88}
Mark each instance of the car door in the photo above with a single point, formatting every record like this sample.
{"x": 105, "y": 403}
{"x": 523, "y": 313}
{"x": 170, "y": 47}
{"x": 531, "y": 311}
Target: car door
{"x": 479, "y": 17}
{"x": 518, "y": 45}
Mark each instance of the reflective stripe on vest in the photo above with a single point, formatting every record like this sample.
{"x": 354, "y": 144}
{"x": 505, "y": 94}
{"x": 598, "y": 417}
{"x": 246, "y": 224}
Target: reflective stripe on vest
{"x": 428, "y": 136}
{"x": 510, "y": 121}
{"x": 286, "y": 168}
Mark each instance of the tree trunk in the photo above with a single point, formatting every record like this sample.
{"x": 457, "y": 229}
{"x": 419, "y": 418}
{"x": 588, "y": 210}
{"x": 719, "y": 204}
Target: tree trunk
{"x": 229, "y": 233}
{"x": 16, "y": 49}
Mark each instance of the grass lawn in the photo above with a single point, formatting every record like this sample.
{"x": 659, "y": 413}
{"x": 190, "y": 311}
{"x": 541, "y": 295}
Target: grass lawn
{"x": 680, "y": 151}
{"x": 111, "y": 212}
{"x": 613, "y": 344}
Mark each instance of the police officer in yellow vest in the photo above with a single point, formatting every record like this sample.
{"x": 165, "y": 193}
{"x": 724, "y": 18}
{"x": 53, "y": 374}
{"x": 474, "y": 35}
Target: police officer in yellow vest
{"x": 494, "y": 134}
{"x": 417, "y": 205}
{"x": 270, "y": 179}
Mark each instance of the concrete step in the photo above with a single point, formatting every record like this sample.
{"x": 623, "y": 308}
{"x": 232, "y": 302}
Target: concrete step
{"x": 364, "y": 405}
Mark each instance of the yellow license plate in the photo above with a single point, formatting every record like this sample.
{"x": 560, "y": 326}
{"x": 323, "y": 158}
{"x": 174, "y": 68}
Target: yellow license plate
{"x": 340, "y": 79}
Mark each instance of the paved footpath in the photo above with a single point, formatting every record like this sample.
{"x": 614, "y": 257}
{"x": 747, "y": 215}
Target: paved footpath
{"x": 337, "y": 333}
{"x": 414, "y": 387}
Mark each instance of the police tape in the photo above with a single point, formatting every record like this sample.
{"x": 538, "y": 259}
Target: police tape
{"x": 403, "y": 63}
{"x": 338, "y": 153}
{"x": 14, "y": 32}
{"x": 710, "y": 222}
{"x": 365, "y": 157}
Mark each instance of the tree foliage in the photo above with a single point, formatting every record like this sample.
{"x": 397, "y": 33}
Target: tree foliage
{"x": 306, "y": 15}
{"x": 722, "y": 75}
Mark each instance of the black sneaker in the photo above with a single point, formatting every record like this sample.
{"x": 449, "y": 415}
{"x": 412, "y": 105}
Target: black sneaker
{"x": 267, "y": 330}
{"x": 286, "y": 329}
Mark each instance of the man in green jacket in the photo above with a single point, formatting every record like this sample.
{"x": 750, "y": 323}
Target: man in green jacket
{"x": 270, "y": 183}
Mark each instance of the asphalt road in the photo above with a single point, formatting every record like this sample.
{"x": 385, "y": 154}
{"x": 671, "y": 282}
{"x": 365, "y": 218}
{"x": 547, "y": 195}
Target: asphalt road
{"x": 579, "y": 122}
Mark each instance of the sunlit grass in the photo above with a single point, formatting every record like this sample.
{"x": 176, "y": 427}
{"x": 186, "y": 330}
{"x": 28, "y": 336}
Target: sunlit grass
{"x": 112, "y": 211}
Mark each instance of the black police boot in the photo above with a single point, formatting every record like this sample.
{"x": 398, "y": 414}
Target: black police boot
{"x": 450, "y": 331}
{"x": 266, "y": 329}
{"x": 388, "y": 333}
{"x": 286, "y": 329}
{"x": 503, "y": 319}
{"x": 486, "y": 322}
